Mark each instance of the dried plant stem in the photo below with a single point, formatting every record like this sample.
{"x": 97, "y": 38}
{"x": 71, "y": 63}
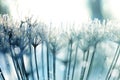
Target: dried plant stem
{"x": 76, "y": 52}
{"x": 85, "y": 59}
{"x": 91, "y": 62}
{"x": 65, "y": 71}
{"x": 36, "y": 62}
{"x": 19, "y": 69}
{"x": 48, "y": 75}
{"x": 54, "y": 67}
{"x": 66, "y": 64}
{"x": 83, "y": 68}
{"x": 54, "y": 63}
{"x": 23, "y": 68}
{"x": 114, "y": 61}
{"x": 70, "y": 56}
{"x": 31, "y": 66}
{"x": 19, "y": 66}
{"x": 42, "y": 58}
{"x": 15, "y": 66}
{"x": 30, "y": 58}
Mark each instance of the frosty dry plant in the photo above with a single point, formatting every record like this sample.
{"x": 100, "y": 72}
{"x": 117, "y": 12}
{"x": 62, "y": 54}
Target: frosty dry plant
{"x": 34, "y": 51}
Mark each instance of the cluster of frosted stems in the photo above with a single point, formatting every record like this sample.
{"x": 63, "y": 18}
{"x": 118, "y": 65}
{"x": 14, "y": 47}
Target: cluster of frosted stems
{"x": 31, "y": 50}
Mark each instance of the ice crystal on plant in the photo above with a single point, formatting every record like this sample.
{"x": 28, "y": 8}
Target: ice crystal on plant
{"x": 88, "y": 52}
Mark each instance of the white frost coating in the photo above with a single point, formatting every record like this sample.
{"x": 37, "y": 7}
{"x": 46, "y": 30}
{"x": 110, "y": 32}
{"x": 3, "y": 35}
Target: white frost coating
{"x": 105, "y": 34}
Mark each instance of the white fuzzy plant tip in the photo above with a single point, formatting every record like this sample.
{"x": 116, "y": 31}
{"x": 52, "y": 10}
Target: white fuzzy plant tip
{"x": 32, "y": 50}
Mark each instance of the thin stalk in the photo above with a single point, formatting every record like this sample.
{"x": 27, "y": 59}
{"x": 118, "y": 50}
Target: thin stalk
{"x": 31, "y": 66}
{"x": 23, "y": 68}
{"x": 65, "y": 71}
{"x": 30, "y": 58}
{"x": 66, "y": 63}
{"x": 70, "y": 55}
{"x": 76, "y": 52}
{"x": 54, "y": 64}
{"x": 84, "y": 68}
{"x": 91, "y": 62}
{"x": 22, "y": 64}
{"x": 14, "y": 63}
{"x": 36, "y": 62}
{"x": 12, "y": 54}
{"x": 19, "y": 68}
{"x": 109, "y": 71}
{"x": 42, "y": 57}
{"x": 48, "y": 75}
{"x": 113, "y": 63}
{"x": 87, "y": 55}
{"x": 2, "y": 74}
